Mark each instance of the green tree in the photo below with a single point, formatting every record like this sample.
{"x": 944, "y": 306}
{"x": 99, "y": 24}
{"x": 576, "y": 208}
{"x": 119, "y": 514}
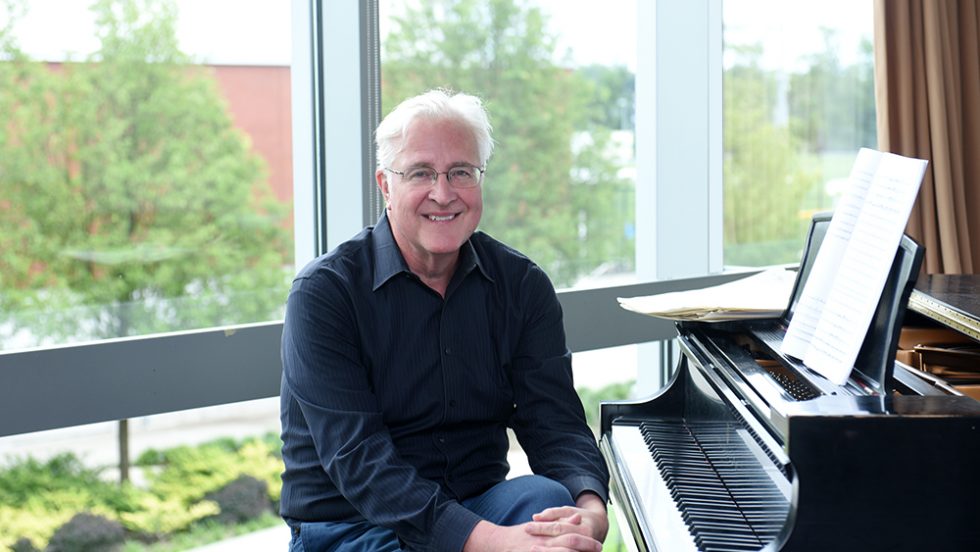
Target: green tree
{"x": 613, "y": 96}
{"x": 765, "y": 180}
{"x": 830, "y": 101}
{"x": 550, "y": 191}
{"x": 778, "y": 153}
{"x": 128, "y": 201}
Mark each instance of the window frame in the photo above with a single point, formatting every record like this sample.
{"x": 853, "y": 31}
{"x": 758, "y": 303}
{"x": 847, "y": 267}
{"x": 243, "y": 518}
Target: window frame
{"x": 337, "y": 100}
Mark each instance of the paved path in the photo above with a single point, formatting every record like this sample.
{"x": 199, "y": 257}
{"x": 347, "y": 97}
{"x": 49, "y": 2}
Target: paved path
{"x": 266, "y": 540}
{"x": 97, "y": 444}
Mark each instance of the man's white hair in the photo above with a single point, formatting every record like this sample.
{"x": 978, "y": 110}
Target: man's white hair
{"x": 436, "y": 104}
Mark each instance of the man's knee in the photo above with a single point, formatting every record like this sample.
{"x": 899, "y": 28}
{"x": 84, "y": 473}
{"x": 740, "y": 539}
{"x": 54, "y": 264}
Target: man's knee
{"x": 514, "y": 501}
{"x": 531, "y": 494}
{"x": 546, "y": 492}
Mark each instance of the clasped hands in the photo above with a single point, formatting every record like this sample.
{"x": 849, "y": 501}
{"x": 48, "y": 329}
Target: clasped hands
{"x": 569, "y": 528}
{"x": 579, "y": 528}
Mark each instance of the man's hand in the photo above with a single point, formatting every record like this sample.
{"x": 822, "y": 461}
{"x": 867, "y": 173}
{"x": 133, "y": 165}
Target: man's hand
{"x": 487, "y": 537}
{"x": 588, "y": 517}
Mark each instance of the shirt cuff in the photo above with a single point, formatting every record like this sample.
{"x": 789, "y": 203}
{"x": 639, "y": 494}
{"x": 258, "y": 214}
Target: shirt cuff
{"x": 453, "y": 528}
{"x": 581, "y": 483}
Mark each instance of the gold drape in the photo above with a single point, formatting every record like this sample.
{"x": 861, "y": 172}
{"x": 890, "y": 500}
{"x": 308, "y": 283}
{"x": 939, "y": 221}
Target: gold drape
{"x": 927, "y": 87}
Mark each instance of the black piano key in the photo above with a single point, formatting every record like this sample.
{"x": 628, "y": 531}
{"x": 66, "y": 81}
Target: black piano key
{"x": 721, "y": 542}
{"x": 731, "y": 524}
{"x": 704, "y": 507}
{"x": 707, "y": 538}
{"x": 697, "y": 504}
{"x": 727, "y": 547}
{"x": 697, "y": 482}
{"x": 710, "y": 519}
{"x": 722, "y": 537}
{"x": 721, "y": 531}
{"x": 701, "y": 511}
{"x": 703, "y": 497}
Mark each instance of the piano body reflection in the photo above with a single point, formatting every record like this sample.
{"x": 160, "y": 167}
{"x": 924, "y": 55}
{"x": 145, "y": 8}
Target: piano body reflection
{"x": 747, "y": 449}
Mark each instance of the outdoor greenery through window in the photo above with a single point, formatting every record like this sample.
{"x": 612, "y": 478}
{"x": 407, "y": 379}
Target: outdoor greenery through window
{"x": 560, "y": 185}
{"x": 146, "y": 180}
{"x": 142, "y": 188}
{"x": 798, "y": 104}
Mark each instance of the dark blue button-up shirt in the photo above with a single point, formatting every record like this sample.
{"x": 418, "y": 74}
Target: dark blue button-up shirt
{"x": 395, "y": 401}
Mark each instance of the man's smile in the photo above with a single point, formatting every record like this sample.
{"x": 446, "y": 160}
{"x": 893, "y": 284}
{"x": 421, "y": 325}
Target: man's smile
{"x": 441, "y": 218}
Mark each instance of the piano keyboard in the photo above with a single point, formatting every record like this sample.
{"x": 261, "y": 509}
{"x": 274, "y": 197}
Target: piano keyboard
{"x": 725, "y": 494}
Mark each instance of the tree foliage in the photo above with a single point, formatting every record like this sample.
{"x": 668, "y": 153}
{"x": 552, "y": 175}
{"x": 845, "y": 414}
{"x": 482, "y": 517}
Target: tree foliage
{"x": 613, "y": 97}
{"x": 778, "y": 152}
{"x": 764, "y": 182}
{"x": 833, "y": 109}
{"x": 125, "y": 187}
{"x": 551, "y": 190}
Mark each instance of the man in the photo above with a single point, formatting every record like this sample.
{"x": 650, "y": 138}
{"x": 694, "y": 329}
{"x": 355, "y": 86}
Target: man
{"x": 407, "y": 352}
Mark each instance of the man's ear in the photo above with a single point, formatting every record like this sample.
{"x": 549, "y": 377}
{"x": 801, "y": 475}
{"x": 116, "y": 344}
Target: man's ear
{"x": 382, "y": 179}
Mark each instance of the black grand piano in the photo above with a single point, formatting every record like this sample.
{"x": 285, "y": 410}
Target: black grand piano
{"x": 748, "y": 449}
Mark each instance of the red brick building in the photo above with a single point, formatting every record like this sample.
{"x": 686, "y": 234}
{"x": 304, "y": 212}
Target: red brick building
{"x": 259, "y": 102}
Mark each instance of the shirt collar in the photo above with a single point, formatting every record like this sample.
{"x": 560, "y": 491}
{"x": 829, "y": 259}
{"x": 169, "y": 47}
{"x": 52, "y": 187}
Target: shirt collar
{"x": 388, "y": 260}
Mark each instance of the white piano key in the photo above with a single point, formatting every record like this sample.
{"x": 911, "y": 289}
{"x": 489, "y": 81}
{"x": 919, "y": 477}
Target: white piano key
{"x": 666, "y": 530}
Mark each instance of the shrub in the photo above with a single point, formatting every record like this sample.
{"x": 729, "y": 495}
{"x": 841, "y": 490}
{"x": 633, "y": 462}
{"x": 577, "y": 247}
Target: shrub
{"x": 33, "y": 522}
{"x": 192, "y": 472}
{"x": 87, "y": 533}
{"x": 188, "y": 473}
{"x": 24, "y": 544}
{"x": 241, "y": 500}
{"x": 262, "y": 459}
{"x": 63, "y": 475}
{"x": 158, "y": 517}
{"x": 38, "y": 498}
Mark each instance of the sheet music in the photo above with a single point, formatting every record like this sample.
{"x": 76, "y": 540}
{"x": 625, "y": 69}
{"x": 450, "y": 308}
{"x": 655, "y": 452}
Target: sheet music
{"x": 762, "y": 295}
{"x": 818, "y": 285}
{"x": 848, "y": 276}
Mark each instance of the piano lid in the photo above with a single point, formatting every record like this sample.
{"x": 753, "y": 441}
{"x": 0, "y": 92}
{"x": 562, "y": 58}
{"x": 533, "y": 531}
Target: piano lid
{"x": 953, "y": 300}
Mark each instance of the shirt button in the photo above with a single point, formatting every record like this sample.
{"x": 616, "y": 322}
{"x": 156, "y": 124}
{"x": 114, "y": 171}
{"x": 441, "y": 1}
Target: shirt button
{"x": 442, "y": 439}
{"x": 449, "y": 351}
{"x": 452, "y": 403}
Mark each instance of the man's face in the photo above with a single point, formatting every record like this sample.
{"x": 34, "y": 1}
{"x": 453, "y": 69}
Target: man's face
{"x": 432, "y": 222}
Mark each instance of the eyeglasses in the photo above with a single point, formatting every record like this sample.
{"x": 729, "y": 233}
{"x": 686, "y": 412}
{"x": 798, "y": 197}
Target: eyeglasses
{"x": 463, "y": 176}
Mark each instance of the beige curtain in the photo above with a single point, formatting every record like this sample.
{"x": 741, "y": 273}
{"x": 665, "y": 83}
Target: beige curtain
{"x": 927, "y": 87}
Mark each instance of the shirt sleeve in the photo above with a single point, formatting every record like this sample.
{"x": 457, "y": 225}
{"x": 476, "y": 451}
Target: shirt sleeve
{"x": 321, "y": 366}
{"x": 549, "y": 420}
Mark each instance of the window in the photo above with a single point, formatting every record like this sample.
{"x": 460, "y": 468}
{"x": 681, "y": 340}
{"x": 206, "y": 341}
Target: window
{"x": 676, "y": 63}
{"x": 145, "y": 168}
{"x": 145, "y": 188}
{"x": 798, "y": 104}
{"x": 560, "y": 186}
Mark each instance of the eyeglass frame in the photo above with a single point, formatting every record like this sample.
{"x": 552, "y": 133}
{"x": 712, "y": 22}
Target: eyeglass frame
{"x": 481, "y": 171}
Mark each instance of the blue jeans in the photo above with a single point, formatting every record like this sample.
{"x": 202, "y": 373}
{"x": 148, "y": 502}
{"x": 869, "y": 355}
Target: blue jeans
{"x": 510, "y": 502}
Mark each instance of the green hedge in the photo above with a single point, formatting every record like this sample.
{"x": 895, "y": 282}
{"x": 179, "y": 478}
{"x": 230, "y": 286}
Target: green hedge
{"x": 182, "y": 483}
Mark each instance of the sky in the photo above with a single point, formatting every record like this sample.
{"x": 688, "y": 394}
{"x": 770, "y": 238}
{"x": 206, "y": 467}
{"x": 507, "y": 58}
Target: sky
{"x": 795, "y": 25}
{"x": 597, "y": 32}
{"x": 603, "y": 32}
{"x": 255, "y": 32}
{"x": 259, "y": 30}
